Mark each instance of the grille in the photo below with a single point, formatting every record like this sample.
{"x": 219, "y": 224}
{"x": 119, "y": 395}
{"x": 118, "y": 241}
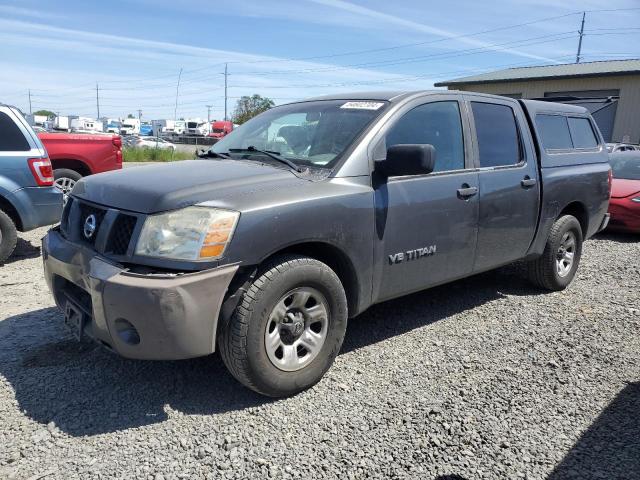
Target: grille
{"x": 85, "y": 211}
{"x": 64, "y": 220}
{"x": 121, "y": 234}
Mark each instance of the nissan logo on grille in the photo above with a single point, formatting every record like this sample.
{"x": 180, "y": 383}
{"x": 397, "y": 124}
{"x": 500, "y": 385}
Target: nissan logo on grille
{"x": 89, "y": 226}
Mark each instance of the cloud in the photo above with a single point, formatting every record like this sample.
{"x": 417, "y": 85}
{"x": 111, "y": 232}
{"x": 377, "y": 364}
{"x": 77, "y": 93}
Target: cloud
{"x": 421, "y": 27}
{"x": 28, "y": 12}
{"x": 71, "y": 61}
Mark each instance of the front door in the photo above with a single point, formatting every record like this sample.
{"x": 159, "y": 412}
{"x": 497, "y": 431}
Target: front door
{"x": 427, "y": 224}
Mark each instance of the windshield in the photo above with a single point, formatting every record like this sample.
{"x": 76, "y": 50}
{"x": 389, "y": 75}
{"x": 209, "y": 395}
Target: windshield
{"x": 308, "y": 133}
{"x": 626, "y": 166}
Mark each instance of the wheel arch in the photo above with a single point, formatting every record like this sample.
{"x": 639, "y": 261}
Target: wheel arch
{"x": 334, "y": 257}
{"x": 578, "y": 210}
{"x": 7, "y": 207}
{"x": 72, "y": 164}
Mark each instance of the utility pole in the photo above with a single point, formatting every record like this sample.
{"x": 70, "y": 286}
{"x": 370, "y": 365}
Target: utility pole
{"x": 581, "y": 32}
{"x": 139, "y": 114}
{"x": 97, "y": 100}
{"x": 226, "y": 74}
{"x": 209, "y": 113}
{"x": 175, "y": 110}
{"x": 30, "y": 101}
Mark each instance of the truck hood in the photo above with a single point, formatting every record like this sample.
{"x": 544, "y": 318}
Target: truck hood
{"x": 158, "y": 188}
{"x": 621, "y": 188}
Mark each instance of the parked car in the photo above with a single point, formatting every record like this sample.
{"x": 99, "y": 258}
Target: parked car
{"x": 357, "y": 199}
{"x": 151, "y": 142}
{"x": 27, "y": 197}
{"x": 75, "y": 155}
{"x": 624, "y": 205}
{"x": 622, "y": 147}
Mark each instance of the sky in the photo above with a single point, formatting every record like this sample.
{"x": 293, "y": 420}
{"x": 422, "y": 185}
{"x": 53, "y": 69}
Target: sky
{"x": 282, "y": 49}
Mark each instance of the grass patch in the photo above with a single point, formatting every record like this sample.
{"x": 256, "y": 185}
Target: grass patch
{"x": 155, "y": 155}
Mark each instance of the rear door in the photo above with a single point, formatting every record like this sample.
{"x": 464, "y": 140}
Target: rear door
{"x": 508, "y": 181}
{"x": 427, "y": 224}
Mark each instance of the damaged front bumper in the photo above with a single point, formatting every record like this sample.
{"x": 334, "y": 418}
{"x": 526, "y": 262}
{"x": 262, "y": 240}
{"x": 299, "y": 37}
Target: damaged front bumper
{"x": 144, "y": 316}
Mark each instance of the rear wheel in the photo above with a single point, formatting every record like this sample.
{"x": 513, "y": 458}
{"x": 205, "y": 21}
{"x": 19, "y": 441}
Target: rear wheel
{"x": 65, "y": 179}
{"x": 557, "y": 266}
{"x": 8, "y": 236}
{"x": 288, "y": 328}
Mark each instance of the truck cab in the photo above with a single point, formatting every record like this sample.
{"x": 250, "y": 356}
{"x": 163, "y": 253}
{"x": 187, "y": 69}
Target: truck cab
{"x": 220, "y": 128}
{"x": 311, "y": 212}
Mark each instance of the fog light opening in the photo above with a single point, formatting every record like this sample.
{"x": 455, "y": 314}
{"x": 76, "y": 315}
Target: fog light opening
{"x": 127, "y": 332}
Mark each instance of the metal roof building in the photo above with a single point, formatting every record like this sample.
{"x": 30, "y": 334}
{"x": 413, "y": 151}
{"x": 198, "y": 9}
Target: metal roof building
{"x": 609, "y": 89}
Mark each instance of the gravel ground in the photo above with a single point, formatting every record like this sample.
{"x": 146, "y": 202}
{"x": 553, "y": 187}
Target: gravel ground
{"x": 483, "y": 378}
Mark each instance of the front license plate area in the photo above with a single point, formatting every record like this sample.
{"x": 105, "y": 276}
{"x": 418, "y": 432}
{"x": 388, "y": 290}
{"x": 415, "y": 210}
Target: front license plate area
{"x": 75, "y": 319}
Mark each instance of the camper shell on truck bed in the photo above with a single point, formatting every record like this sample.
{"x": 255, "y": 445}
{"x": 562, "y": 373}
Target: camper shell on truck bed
{"x": 313, "y": 211}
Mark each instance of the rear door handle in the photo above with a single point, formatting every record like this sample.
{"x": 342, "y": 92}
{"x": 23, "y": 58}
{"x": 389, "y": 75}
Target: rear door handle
{"x": 466, "y": 191}
{"x": 528, "y": 182}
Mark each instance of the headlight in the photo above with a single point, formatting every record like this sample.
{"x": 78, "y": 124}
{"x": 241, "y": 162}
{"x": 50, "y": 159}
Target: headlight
{"x": 636, "y": 199}
{"x": 193, "y": 233}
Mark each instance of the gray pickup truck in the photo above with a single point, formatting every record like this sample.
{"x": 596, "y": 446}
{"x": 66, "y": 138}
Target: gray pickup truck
{"x": 313, "y": 211}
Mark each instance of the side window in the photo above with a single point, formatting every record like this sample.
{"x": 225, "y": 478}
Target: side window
{"x": 436, "y": 123}
{"x": 11, "y": 138}
{"x": 498, "y": 137}
{"x": 554, "y": 132}
{"x": 582, "y": 133}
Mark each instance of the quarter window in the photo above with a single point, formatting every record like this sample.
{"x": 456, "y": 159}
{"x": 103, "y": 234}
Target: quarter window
{"x": 11, "y": 137}
{"x": 554, "y": 132}
{"x": 582, "y": 133}
{"x": 498, "y": 137}
{"x": 438, "y": 124}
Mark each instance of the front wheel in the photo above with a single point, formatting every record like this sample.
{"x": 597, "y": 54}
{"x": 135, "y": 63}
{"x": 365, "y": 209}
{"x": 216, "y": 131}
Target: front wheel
{"x": 557, "y": 266}
{"x": 288, "y": 328}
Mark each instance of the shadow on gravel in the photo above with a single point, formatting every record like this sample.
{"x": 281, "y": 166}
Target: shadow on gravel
{"x": 610, "y": 447}
{"x": 24, "y": 249}
{"x": 620, "y": 237}
{"x": 86, "y": 390}
{"x": 404, "y": 314}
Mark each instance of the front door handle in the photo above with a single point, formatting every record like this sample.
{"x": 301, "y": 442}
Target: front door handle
{"x": 466, "y": 191}
{"x": 528, "y": 182}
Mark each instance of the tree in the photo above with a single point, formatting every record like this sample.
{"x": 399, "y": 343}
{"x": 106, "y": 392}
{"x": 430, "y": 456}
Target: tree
{"x": 248, "y": 107}
{"x": 46, "y": 113}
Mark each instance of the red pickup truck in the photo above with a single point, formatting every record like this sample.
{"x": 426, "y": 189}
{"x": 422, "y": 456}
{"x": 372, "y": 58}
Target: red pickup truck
{"x": 75, "y": 155}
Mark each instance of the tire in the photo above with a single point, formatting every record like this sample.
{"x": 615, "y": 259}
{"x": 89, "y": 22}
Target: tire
{"x": 64, "y": 179}
{"x": 544, "y": 271}
{"x": 242, "y": 339}
{"x": 8, "y": 237}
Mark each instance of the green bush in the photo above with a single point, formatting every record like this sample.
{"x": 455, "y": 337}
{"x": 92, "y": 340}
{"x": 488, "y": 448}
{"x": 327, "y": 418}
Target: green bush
{"x": 130, "y": 154}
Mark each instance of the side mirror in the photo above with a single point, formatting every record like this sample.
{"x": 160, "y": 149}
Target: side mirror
{"x": 408, "y": 159}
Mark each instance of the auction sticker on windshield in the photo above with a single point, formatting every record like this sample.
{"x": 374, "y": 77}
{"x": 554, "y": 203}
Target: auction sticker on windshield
{"x": 363, "y": 105}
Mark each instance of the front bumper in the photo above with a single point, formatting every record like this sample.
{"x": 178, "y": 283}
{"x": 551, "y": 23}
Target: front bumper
{"x": 174, "y": 315}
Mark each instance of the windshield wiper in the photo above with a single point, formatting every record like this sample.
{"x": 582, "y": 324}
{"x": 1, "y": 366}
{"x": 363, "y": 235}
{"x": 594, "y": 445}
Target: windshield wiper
{"x": 274, "y": 155}
{"x": 209, "y": 154}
